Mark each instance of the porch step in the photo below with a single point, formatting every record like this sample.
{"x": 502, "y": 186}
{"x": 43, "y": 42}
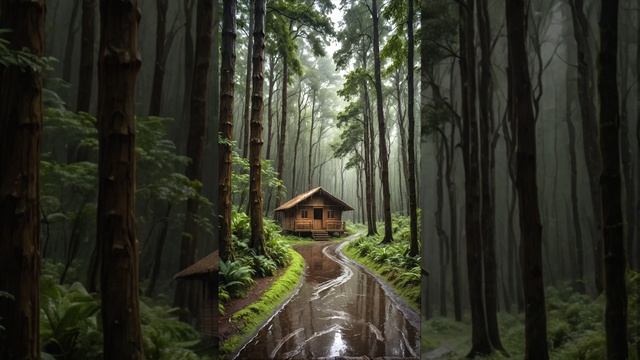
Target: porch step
{"x": 320, "y": 235}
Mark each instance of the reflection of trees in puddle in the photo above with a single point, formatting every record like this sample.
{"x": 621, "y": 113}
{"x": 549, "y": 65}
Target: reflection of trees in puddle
{"x": 339, "y": 311}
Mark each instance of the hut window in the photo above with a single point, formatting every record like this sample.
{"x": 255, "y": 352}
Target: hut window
{"x": 332, "y": 214}
{"x": 304, "y": 214}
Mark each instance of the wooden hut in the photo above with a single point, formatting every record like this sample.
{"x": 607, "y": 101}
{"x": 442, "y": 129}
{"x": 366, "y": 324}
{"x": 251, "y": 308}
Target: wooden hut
{"x": 315, "y": 212}
{"x": 203, "y": 278}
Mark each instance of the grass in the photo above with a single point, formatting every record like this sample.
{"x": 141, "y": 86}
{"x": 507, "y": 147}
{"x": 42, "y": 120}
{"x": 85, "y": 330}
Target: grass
{"x": 410, "y": 294}
{"x": 249, "y": 319}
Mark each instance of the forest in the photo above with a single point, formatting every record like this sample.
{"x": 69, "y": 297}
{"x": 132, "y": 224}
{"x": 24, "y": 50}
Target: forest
{"x": 319, "y": 179}
{"x": 530, "y": 139}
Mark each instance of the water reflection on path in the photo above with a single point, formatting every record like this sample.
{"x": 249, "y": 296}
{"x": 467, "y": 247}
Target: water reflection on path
{"x": 339, "y": 311}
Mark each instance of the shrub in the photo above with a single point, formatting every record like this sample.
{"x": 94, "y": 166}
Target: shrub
{"x": 235, "y": 278}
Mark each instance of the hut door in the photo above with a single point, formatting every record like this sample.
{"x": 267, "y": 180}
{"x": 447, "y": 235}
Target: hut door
{"x": 317, "y": 219}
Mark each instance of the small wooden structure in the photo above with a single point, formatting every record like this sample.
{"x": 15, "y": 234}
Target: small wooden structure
{"x": 314, "y": 212}
{"x": 203, "y": 276}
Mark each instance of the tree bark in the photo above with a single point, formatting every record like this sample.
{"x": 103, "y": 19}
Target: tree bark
{"x": 311, "y": 127}
{"x": 195, "y": 142}
{"x": 413, "y": 196}
{"x": 85, "y": 82}
{"x": 70, "y": 44}
{"x": 118, "y": 67}
{"x": 159, "y": 65}
{"x": 247, "y": 85}
{"x": 382, "y": 137}
{"x": 255, "y": 181}
{"x": 579, "y": 283}
{"x": 615, "y": 263}
{"x": 442, "y": 235}
{"x": 586, "y": 97}
{"x": 283, "y": 121}
{"x": 272, "y": 80}
{"x": 521, "y": 106}
{"x": 481, "y": 344}
{"x": 487, "y": 214}
{"x": 187, "y": 7}
{"x": 227, "y": 89}
{"x": 21, "y": 113}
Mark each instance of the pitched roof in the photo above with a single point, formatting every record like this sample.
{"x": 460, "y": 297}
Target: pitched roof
{"x": 301, "y": 197}
{"x": 204, "y": 266}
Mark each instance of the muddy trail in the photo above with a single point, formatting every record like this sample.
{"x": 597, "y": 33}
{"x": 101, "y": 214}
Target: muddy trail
{"x": 340, "y": 311}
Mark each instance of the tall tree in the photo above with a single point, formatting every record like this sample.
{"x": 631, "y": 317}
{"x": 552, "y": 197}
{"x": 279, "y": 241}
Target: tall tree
{"x": 118, "y": 66}
{"x": 195, "y": 141}
{"x": 87, "y": 41}
{"x": 613, "y": 223}
{"x": 586, "y": 98}
{"x": 20, "y": 136}
{"x": 487, "y": 214}
{"x": 480, "y": 342}
{"x": 382, "y": 129}
{"x": 70, "y": 44}
{"x": 257, "y": 107}
{"x": 413, "y": 198}
{"x": 227, "y": 89}
{"x": 162, "y": 46}
{"x": 247, "y": 83}
{"x": 520, "y": 103}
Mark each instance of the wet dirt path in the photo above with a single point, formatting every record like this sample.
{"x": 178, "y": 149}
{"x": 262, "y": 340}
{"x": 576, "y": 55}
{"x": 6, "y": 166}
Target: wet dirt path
{"x": 340, "y": 311}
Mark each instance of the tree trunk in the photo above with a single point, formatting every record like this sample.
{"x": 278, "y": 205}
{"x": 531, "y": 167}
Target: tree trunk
{"x": 283, "y": 121}
{"x": 403, "y": 165}
{"x": 413, "y": 196}
{"x": 294, "y": 171}
{"x": 247, "y": 85}
{"x": 159, "y": 65}
{"x": 487, "y": 214}
{"x": 313, "y": 123}
{"x": 453, "y": 225}
{"x": 157, "y": 258}
{"x": 481, "y": 344}
{"x": 442, "y": 235}
{"x": 520, "y": 102}
{"x": 579, "y": 283}
{"x": 382, "y": 137}
{"x": 188, "y": 68}
{"x": 85, "y": 83}
{"x": 615, "y": 263}
{"x": 21, "y": 115}
{"x": 118, "y": 67}
{"x": 272, "y": 80}
{"x": 195, "y": 143}
{"x": 70, "y": 44}
{"x": 255, "y": 181}
{"x": 227, "y": 88}
{"x": 586, "y": 97}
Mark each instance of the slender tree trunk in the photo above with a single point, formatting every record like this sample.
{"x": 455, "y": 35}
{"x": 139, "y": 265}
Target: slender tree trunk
{"x": 404, "y": 163}
{"x": 453, "y": 225}
{"x": 294, "y": 171}
{"x": 227, "y": 88}
{"x": 313, "y": 123}
{"x": 157, "y": 258}
{"x": 368, "y": 155}
{"x": 70, "y": 44}
{"x": 255, "y": 184}
{"x": 615, "y": 263}
{"x": 195, "y": 142}
{"x": 382, "y": 130}
{"x": 117, "y": 73}
{"x": 188, "y": 68}
{"x": 247, "y": 84}
{"x": 272, "y": 80}
{"x": 481, "y": 344}
{"x": 586, "y": 97}
{"x": 372, "y": 160}
{"x": 283, "y": 121}
{"x": 85, "y": 82}
{"x": 442, "y": 235}
{"x": 21, "y": 113}
{"x": 487, "y": 214}
{"x": 579, "y": 282}
{"x": 159, "y": 65}
{"x": 413, "y": 196}
{"x": 521, "y": 106}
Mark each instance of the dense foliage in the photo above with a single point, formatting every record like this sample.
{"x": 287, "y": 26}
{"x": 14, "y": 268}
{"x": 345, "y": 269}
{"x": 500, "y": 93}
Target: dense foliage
{"x": 391, "y": 260}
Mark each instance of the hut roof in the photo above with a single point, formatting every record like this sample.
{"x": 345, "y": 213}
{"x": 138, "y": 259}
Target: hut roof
{"x": 301, "y": 197}
{"x": 202, "y": 267}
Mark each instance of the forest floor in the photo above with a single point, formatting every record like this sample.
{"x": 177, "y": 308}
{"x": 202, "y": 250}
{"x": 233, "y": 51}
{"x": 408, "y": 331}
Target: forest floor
{"x": 575, "y": 330}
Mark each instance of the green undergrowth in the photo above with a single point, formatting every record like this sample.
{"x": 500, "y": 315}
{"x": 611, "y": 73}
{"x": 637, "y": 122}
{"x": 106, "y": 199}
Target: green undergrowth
{"x": 391, "y": 262}
{"x": 251, "y": 317}
{"x": 575, "y": 328}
